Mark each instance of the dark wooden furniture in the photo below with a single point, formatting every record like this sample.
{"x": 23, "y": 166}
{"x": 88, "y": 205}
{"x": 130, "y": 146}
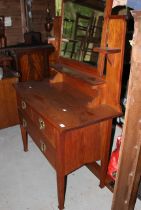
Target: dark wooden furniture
{"x": 31, "y": 61}
{"x": 32, "y": 64}
{"x": 8, "y": 106}
{"x": 5, "y": 61}
{"x": 32, "y": 38}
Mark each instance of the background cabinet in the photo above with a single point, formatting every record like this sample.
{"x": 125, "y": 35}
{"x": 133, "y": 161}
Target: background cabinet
{"x": 8, "y": 107}
{"x": 32, "y": 62}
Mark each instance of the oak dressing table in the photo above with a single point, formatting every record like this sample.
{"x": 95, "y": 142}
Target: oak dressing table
{"x": 69, "y": 116}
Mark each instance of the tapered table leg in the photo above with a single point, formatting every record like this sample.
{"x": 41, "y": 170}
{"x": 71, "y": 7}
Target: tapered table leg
{"x": 24, "y": 138}
{"x": 61, "y": 185}
{"x": 106, "y": 128}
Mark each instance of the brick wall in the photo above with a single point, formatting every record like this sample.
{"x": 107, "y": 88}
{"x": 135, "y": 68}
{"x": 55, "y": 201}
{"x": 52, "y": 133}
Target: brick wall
{"x": 12, "y": 8}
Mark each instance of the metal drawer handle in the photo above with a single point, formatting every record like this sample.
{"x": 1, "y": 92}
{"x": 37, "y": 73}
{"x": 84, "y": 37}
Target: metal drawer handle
{"x": 43, "y": 146}
{"x": 23, "y": 105}
{"x": 24, "y": 123}
{"x": 41, "y": 124}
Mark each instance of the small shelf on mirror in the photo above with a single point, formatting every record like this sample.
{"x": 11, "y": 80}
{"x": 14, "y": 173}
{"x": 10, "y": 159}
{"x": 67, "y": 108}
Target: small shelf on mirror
{"x": 106, "y": 50}
{"x": 79, "y": 75}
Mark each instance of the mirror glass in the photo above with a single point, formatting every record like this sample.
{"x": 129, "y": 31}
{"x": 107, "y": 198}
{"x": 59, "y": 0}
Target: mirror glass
{"x": 82, "y": 28}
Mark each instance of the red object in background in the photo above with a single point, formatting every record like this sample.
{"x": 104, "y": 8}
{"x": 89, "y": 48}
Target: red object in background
{"x": 113, "y": 164}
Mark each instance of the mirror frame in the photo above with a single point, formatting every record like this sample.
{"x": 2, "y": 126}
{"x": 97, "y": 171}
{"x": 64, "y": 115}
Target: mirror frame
{"x": 79, "y": 64}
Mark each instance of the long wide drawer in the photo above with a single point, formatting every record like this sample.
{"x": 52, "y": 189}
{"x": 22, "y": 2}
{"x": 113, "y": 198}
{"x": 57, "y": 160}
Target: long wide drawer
{"x": 41, "y": 141}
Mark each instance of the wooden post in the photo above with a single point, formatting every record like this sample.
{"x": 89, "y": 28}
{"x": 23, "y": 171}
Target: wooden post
{"x": 129, "y": 172}
{"x": 107, "y": 14}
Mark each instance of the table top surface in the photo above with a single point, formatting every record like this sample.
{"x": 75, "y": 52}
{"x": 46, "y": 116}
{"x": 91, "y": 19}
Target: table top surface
{"x": 62, "y": 105}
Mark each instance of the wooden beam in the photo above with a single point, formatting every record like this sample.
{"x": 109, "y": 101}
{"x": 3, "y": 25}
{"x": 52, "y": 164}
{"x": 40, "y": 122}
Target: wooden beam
{"x": 129, "y": 171}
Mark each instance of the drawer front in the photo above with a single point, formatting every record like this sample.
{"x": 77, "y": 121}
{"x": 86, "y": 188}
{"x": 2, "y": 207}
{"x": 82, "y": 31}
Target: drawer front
{"x": 24, "y": 107}
{"x": 42, "y": 125}
{"x": 45, "y": 128}
{"x": 41, "y": 141}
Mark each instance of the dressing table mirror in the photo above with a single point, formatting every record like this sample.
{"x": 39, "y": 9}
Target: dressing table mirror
{"x": 82, "y": 29}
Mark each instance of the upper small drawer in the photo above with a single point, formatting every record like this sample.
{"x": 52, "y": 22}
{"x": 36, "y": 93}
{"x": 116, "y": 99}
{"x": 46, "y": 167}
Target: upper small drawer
{"x": 24, "y": 106}
{"x": 45, "y": 128}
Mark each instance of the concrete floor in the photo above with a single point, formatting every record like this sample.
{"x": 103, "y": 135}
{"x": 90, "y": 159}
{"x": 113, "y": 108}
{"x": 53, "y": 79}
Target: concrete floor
{"x": 28, "y": 182}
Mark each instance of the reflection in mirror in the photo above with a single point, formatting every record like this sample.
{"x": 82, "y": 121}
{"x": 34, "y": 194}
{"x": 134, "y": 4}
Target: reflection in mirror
{"x": 82, "y": 28}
